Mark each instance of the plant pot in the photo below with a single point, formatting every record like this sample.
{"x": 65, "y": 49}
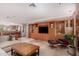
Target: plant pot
{"x": 72, "y": 51}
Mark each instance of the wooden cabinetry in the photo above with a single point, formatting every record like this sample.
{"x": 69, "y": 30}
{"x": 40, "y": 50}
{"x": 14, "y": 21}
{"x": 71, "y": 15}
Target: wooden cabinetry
{"x": 77, "y": 27}
{"x": 56, "y": 30}
{"x": 60, "y": 28}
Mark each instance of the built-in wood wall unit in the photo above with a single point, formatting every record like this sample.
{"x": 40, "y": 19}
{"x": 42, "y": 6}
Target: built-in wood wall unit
{"x": 77, "y": 27}
{"x": 56, "y": 30}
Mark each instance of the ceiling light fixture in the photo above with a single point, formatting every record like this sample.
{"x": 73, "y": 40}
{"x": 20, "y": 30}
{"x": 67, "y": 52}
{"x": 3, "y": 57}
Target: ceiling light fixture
{"x": 59, "y": 4}
{"x": 32, "y": 5}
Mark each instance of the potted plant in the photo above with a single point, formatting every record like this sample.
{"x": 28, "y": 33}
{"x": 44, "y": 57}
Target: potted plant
{"x": 72, "y": 44}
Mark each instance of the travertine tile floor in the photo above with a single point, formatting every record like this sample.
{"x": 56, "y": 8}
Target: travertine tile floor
{"x": 45, "y": 50}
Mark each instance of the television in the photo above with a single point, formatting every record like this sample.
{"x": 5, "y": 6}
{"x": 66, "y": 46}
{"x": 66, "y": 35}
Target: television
{"x": 43, "y": 29}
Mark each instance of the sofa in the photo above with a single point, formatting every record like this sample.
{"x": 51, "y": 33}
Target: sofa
{"x": 59, "y": 42}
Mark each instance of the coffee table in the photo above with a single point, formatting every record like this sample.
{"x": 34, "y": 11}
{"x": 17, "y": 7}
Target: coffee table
{"x": 24, "y": 49}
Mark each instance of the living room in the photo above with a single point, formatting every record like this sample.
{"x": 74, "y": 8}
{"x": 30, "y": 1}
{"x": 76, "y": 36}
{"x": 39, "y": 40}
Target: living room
{"x": 42, "y": 27}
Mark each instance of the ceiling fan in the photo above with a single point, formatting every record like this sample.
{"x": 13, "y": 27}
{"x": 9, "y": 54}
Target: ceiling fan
{"x": 32, "y": 5}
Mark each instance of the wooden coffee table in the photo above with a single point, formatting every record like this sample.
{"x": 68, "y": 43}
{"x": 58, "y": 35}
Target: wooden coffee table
{"x": 24, "y": 49}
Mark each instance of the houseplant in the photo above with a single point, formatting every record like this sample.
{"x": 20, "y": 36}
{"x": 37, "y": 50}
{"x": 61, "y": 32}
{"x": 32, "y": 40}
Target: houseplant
{"x": 72, "y": 44}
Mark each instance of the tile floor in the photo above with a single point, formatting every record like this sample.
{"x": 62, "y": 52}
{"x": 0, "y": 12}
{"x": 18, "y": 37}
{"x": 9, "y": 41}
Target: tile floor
{"x": 45, "y": 50}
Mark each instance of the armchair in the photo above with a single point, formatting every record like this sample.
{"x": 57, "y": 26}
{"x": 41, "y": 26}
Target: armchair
{"x": 63, "y": 42}
{"x": 52, "y": 43}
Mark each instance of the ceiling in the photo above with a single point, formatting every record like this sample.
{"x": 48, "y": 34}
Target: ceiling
{"x": 22, "y": 13}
